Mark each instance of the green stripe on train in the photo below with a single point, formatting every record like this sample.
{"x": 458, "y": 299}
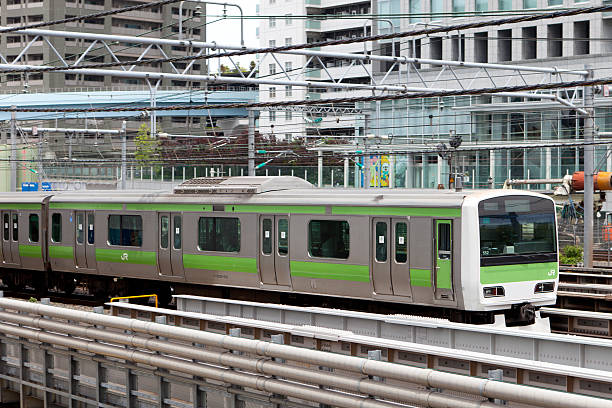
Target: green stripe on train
{"x": 518, "y": 273}
{"x": 30, "y": 251}
{"x": 85, "y": 206}
{"x": 323, "y": 270}
{"x": 276, "y": 209}
{"x": 220, "y": 263}
{"x": 126, "y": 256}
{"x": 169, "y": 207}
{"x": 5, "y": 206}
{"x": 398, "y": 211}
{"x": 420, "y": 277}
{"x": 61, "y": 252}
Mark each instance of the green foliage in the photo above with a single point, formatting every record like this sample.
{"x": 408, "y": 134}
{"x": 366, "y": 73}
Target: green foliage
{"x": 571, "y": 255}
{"x": 147, "y": 148}
{"x": 33, "y": 300}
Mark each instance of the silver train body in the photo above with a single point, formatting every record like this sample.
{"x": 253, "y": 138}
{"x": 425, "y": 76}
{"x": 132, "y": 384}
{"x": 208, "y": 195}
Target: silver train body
{"x": 487, "y": 251}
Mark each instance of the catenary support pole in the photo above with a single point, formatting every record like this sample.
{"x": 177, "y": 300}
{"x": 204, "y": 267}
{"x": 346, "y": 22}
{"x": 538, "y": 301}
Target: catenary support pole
{"x": 251, "y": 143}
{"x": 319, "y": 169}
{"x": 346, "y": 172}
{"x": 123, "y": 154}
{"x": 13, "y": 150}
{"x": 588, "y": 173}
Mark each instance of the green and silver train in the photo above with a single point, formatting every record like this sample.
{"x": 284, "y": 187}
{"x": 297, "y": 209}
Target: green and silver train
{"x": 467, "y": 255}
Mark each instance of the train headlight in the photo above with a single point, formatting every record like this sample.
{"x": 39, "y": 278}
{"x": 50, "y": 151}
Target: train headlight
{"x": 544, "y": 287}
{"x": 494, "y": 291}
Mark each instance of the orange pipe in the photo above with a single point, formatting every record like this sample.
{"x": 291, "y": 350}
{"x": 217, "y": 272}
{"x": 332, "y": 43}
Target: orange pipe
{"x": 601, "y": 180}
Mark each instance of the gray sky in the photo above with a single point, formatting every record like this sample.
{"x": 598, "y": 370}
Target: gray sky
{"x": 228, "y": 31}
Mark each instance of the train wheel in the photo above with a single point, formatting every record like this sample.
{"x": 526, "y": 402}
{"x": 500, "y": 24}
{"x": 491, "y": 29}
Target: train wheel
{"x": 67, "y": 285}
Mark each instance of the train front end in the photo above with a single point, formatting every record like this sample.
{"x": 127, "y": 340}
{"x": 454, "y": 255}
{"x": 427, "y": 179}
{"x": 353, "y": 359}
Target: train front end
{"x": 510, "y": 253}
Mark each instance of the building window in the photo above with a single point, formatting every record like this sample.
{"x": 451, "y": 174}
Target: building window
{"x": 272, "y": 69}
{"x": 555, "y": 42}
{"x": 481, "y": 5}
{"x": 219, "y": 234}
{"x": 581, "y": 35}
{"x": 125, "y": 230}
{"x": 504, "y": 4}
{"x": 530, "y": 42}
{"x": 459, "y": 6}
{"x": 272, "y": 43}
{"x": 555, "y": 3}
{"x": 328, "y": 239}
{"x": 288, "y": 115}
{"x": 33, "y": 227}
{"x": 415, "y": 11}
{"x": 288, "y": 90}
{"x": 528, "y": 4}
{"x": 288, "y": 19}
{"x": 288, "y": 66}
{"x": 56, "y": 227}
{"x": 288, "y": 41}
{"x": 272, "y": 116}
{"x": 437, "y": 8}
{"x": 504, "y": 45}
{"x": 272, "y": 21}
{"x": 272, "y": 91}
{"x": 481, "y": 47}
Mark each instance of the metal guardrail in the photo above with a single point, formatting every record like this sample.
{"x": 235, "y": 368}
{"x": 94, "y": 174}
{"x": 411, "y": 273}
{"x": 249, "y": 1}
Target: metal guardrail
{"x": 67, "y": 355}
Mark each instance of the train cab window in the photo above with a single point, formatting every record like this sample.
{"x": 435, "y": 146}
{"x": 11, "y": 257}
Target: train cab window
{"x": 444, "y": 240}
{"x": 56, "y": 227}
{"x": 381, "y": 242}
{"x": 33, "y": 227}
{"x": 283, "y": 237}
{"x": 6, "y": 230}
{"x": 178, "y": 232}
{"x": 125, "y": 230}
{"x": 80, "y": 233}
{"x": 90, "y": 229}
{"x": 15, "y": 227}
{"x": 328, "y": 239}
{"x": 266, "y": 237}
{"x": 220, "y": 234}
{"x": 164, "y": 231}
{"x": 401, "y": 242}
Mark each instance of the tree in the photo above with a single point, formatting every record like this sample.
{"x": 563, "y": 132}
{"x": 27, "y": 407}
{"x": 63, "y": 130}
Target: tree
{"x": 147, "y": 148}
{"x": 252, "y": 66}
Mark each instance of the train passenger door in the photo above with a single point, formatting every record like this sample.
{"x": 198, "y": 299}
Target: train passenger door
{"x": 381, "y": 262}
{"x": 274, "y": 250}
{"x": 6, "y": 237}
{"x": 80, "y": 250}
{"x": 163, "y": 252}
{"x": 90, "y": 247}
{"x": 15, "y": 258}
{"x": 443, "y": 274}
{"x": 400, "y": 264}
{"x": 176, "y": 253}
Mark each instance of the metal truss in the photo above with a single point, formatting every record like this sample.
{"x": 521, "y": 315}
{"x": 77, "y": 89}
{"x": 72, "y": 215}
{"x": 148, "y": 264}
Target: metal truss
{"x": 402, "y": 70}
{"x": 315, "y": 109}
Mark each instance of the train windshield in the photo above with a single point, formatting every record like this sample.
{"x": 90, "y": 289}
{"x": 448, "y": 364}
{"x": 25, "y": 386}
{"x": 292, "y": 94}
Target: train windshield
{"x": 516, "y": 226}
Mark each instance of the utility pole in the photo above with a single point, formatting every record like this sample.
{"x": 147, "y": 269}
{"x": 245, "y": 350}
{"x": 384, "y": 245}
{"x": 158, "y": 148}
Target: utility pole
{"x": 13, "y": 181}
{"x": 123, "y": 154}
{"x": 251, "y": 143}
{"x": 589, "y": 129}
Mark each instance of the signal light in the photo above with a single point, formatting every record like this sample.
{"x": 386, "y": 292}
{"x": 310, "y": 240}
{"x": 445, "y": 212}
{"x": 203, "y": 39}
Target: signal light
{"x": 494, "y": 291}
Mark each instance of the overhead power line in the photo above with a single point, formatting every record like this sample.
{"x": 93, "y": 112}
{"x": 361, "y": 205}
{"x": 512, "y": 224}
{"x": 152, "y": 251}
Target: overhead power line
{"x": 88, "y": 16}
{"x": 400, "y": 96}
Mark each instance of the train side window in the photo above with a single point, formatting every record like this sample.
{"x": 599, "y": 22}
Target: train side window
{"x": 177, "y": 232}
{"x": 220, "y": 234}
{"x": 56, "y": 227}
{"x": 164, "y": 232}
{"x": 381, "y": 242}
{"x": 266, "y": 238}
{"x": 444, "y": 237}
{"x": 328, "y": 239}
{"x": 33, "y": 227}
{"x": 401, "y": 242}
{"x": 90, "y": 229}
{"x": 80, "y": 233}
{"x": 15, "y": 227}
{"x": 125, "y": 230}
{"x": 6, "y": 227}
{"x": 283, "y": 237}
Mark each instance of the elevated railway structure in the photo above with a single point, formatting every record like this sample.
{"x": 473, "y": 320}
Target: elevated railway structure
{"x": 154, "y": 357}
